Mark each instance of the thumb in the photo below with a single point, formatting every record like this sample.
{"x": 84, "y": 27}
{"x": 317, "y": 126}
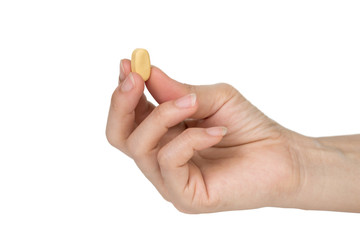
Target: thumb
{"x": 209, "y": 97}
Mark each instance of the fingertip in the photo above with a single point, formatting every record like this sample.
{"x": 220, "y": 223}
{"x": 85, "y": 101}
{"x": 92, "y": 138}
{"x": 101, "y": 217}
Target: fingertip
{"x": 124, "y": 70}
{"x": 157, "y": 72}
{"x": 126, "y": 96}
{"x": 126, "y": 64}
{"x": 216, "y": 131}
{"x": 133, "y": 85}
{"x": 138, "y": 80}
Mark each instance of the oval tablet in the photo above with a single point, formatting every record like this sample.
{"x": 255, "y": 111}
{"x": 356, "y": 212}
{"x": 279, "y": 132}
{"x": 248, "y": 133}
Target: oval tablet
{"x": 140, "y": 63}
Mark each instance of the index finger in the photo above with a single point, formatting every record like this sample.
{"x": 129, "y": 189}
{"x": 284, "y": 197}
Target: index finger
{"x": 121, "y": 119}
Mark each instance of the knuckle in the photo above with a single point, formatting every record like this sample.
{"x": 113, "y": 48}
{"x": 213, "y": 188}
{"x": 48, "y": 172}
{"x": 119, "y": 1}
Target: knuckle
{"x": 135, "y": 149}
{"x": 161, "y": 112}
{"x": 165, "y": 197}
{"x": 109, "y": 138}
{"x": 188, "y": 135}
{"x": 136, "y": 153}
{"x": 190, "y": 88}
{"x": 163, "y": 192}
{"x": 227, "y": 88}
{"x": 163, "y": 158}
{"x": 228, "y": 92}
{"x": 112, "y": 139}
{"x": 184, "y": 208}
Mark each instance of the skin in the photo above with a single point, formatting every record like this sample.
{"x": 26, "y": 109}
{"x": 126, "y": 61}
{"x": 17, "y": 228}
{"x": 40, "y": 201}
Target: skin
{"x": 220, "y": 153}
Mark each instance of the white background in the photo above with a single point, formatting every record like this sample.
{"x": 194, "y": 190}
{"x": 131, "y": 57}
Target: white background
{"x": 298, "y": 61}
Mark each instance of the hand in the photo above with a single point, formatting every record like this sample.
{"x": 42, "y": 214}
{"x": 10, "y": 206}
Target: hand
{"x": 205, "y": 148}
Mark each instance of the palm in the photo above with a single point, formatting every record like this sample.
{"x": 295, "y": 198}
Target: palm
{"x": 254, "y": 170}
{"x": 258, "y": 164}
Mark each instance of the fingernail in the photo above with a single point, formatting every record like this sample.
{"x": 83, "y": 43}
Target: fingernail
{"x": 186, "y": 101}
{"x": 216, "y": 131}
{"x": 122, "y": 72}
{"x": 128, "y": 83}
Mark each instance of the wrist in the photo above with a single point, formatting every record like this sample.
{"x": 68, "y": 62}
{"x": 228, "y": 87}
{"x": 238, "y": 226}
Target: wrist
{"x": 328, "y": 176}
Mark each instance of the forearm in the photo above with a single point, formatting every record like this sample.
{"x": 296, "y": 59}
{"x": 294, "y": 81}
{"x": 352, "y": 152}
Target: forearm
{"x": 330, "y": 173}
{"x": 349, "y": 144}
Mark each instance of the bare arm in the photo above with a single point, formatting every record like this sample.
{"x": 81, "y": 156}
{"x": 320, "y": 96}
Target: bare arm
{"x": 331, "y": 173}
{"x": 208, "y": 149}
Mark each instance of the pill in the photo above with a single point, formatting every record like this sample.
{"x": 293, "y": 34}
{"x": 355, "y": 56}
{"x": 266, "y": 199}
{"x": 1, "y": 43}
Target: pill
{"x": 140, "y": 63}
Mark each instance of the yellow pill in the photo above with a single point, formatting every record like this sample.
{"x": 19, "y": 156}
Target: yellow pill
{"x": 140, "y": 63}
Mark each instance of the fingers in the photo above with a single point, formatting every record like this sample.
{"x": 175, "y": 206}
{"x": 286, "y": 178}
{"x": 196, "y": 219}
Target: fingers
{"x": 121, "y": 119}
{"x": 210, "y": 97}
{"x": 163, "y": 88}
{"x": 144, "y": 107}
{"x": 148, "y": 134}
{"x": 143, "y": 141}
{"x": 183, "y": 179}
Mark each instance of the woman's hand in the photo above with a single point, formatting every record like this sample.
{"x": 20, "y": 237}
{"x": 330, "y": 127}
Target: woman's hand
{"x": 205, "y": 148}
